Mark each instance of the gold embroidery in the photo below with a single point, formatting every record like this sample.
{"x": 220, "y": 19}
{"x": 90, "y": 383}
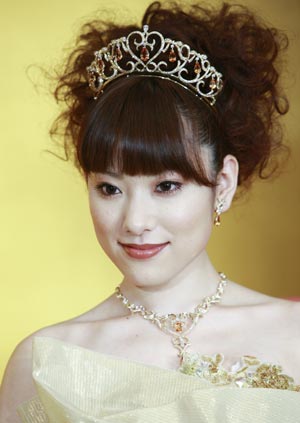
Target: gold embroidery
{"x": 249, "y": 372}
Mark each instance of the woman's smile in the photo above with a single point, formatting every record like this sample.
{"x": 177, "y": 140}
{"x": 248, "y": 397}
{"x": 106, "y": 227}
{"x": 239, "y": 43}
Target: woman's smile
{"x": 143, "y": 251}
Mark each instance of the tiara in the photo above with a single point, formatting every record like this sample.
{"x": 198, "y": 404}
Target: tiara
{"x": 150, "y": 54}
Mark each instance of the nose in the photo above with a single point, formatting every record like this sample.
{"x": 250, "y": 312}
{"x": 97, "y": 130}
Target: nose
{"x": 139, "y": 215}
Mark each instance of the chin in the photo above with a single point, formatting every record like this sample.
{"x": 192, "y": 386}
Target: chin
{"x": 144, "y": 279}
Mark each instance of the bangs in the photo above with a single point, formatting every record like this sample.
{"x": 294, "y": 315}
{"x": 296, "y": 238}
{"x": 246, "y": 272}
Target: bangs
{"x": 146, "y": 126}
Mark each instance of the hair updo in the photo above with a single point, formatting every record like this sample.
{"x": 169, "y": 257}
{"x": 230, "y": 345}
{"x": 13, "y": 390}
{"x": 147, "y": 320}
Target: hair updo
{"x": 148, "y": 125}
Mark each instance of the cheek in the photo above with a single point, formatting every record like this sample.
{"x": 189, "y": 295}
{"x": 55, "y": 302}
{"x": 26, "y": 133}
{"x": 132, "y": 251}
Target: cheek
{"x": 103, "y": 220}
{"x": 190, "y": 216}
{"x": 196, "y": 228}
{"x": 191, "y": 224}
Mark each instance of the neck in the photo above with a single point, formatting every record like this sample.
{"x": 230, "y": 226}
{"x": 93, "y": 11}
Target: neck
{"x": 182, "y": 293}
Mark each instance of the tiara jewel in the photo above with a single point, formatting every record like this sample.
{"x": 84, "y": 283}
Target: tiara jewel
{"x": 150, "y": 54}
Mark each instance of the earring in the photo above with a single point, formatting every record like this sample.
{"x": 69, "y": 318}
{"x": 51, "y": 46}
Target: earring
{"x": 218, "y": 211}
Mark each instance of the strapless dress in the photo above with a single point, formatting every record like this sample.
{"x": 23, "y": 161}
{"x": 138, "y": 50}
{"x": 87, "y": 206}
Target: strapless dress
{"x": 78, "y": 385}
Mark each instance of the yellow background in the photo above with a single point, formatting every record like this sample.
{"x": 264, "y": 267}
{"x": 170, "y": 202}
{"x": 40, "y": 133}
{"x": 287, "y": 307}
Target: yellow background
{"x": 51, "y": 265}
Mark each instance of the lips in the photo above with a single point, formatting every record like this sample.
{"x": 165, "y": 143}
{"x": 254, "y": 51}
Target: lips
{"x": 143, "y": 251}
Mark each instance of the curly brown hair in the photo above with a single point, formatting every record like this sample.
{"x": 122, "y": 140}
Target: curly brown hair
{"x": 147, "y": 125}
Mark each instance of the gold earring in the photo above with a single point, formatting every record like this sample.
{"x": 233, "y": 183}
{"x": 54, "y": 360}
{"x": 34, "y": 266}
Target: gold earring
{"x": 218, "y": 211}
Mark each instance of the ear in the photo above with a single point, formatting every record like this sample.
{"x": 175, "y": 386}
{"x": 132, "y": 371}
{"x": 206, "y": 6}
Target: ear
{"x": 227, "y": 181}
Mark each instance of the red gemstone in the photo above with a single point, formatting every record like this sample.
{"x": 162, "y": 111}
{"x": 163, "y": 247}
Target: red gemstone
{"x": 118, "y": 54}
{"x": 197, "y": 67}
{"x": 100, "y": 65}
{"x": 91, "y": 78}
{"x": 172, "y": 56}
{"x": 145, "y": 54}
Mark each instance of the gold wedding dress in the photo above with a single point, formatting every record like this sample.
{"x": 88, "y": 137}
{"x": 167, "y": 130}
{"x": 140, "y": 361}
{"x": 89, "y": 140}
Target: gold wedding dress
{"x": 77, "y": 385}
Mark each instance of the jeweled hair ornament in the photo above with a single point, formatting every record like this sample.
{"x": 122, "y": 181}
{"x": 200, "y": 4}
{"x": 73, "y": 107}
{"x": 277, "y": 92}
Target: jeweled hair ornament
{"x": 150, "y": 54}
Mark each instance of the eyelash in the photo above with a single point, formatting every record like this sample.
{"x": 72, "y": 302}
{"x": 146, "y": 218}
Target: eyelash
{"x": 177, "y": 185}
{"x": 102, "y": 186}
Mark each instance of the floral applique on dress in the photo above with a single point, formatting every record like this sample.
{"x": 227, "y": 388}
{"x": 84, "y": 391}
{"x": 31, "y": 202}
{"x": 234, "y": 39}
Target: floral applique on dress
{"x": 248, "y": 372}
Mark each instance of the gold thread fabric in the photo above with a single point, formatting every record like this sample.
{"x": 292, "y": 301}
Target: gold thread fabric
{"x": 77, "y": 385}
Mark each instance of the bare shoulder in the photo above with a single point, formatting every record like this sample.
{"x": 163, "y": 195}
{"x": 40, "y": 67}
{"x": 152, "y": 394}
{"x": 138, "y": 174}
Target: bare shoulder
{"x": 17, "y": 385}
{"x": 285, "y": 315}
{"x": 265, "y": 326}
{"x": 277, "y": 317}
{"x": 285, "y": 330}
{"x": 244, "y": 296}
{"x": 290, "y": 314}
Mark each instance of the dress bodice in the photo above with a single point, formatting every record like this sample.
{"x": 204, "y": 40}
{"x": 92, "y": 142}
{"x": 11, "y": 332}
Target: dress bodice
{"x": 77, "y": 385}
{"x": 248, "y": 372}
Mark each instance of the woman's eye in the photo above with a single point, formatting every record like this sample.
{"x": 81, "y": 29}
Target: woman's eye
{"x": 168, "y": 186}
{"x": 108, "y": 189}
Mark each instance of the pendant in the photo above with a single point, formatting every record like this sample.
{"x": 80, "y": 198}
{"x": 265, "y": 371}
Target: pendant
{"x": 181, "y": 343}
{"x": 178, "y": 324}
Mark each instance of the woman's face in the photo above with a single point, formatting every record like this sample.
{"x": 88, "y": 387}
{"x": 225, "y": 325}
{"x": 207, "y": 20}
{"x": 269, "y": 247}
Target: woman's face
{"x": 153, "y": 228}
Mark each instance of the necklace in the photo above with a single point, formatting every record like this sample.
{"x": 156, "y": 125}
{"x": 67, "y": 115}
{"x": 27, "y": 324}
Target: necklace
{"x": 177, "y": 325}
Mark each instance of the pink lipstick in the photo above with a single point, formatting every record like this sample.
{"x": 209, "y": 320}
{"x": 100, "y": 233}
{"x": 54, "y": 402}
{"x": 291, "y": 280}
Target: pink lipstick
{"x": 143, "y": 251}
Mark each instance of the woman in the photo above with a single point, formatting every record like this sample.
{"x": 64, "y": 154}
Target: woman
{"x": 165, "y": 121}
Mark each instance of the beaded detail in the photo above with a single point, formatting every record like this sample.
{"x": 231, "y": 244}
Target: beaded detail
{"x": 248, "y": 372}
